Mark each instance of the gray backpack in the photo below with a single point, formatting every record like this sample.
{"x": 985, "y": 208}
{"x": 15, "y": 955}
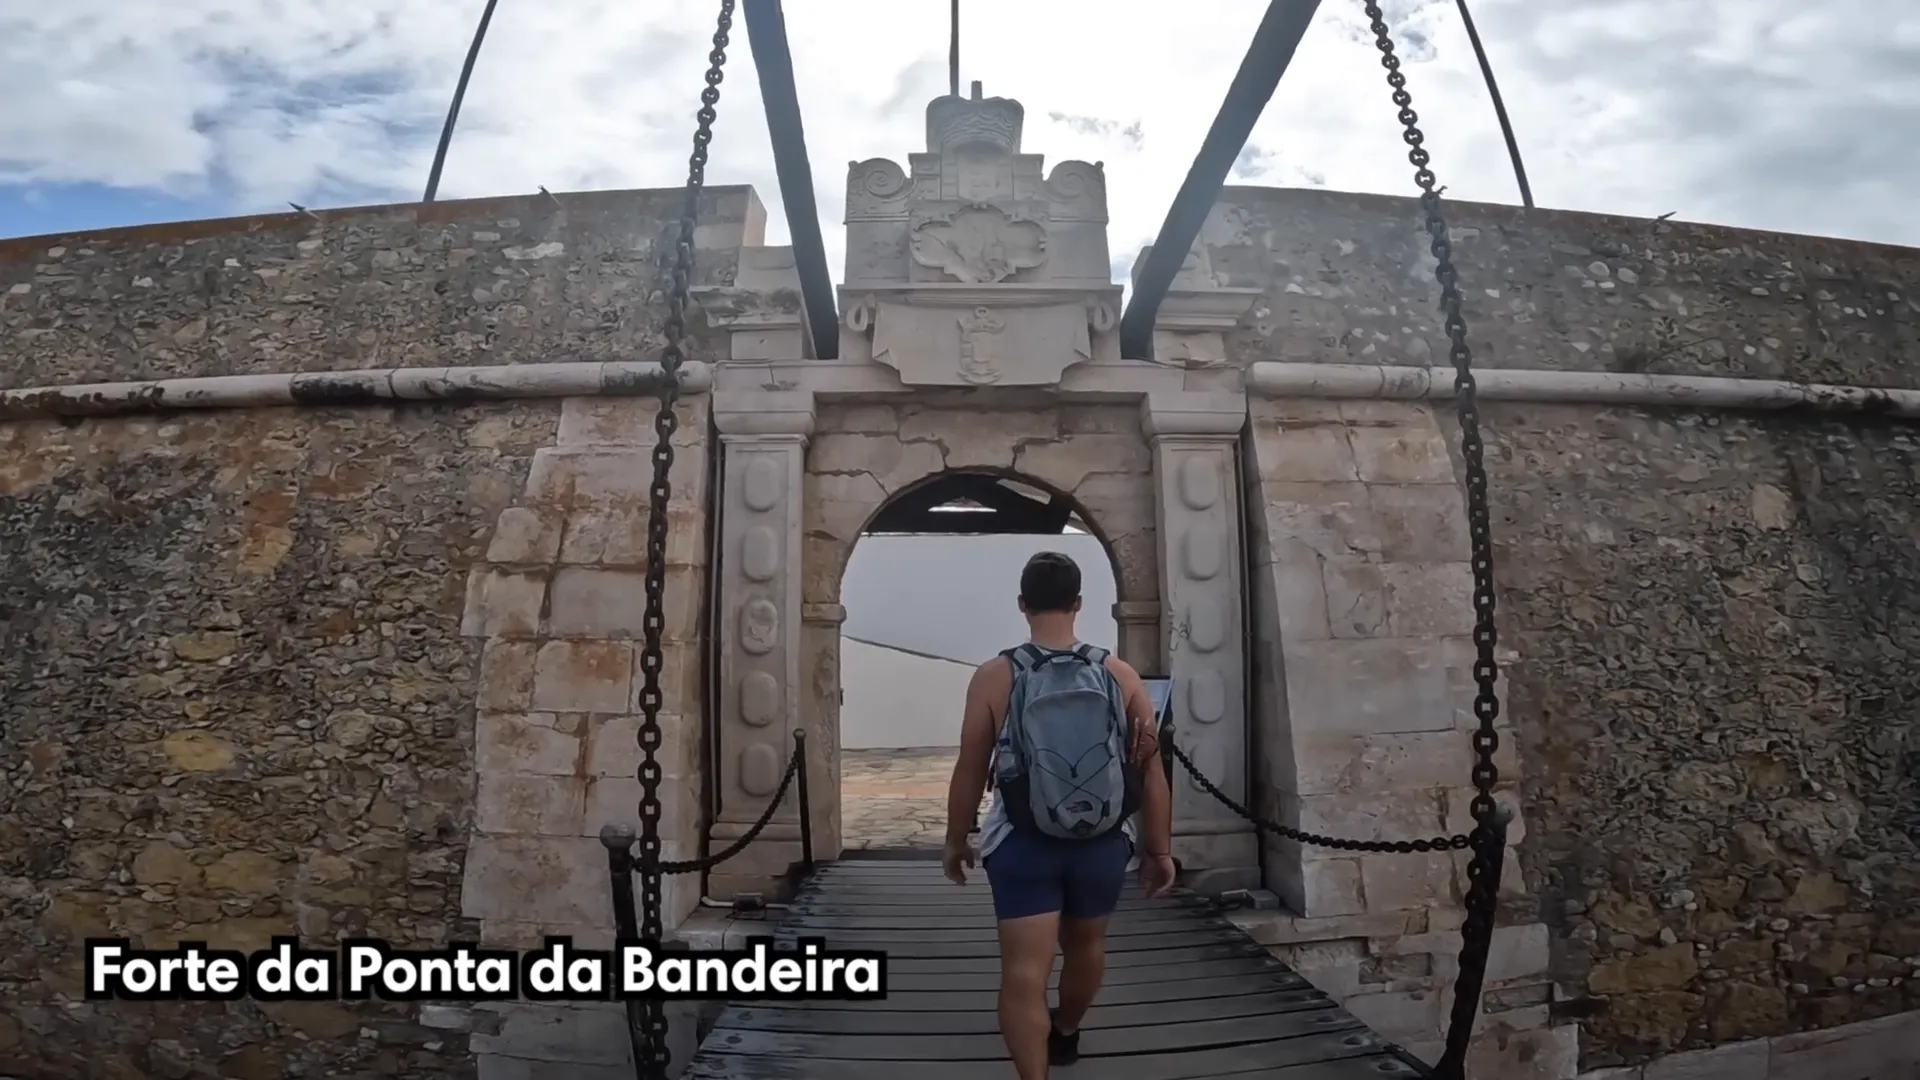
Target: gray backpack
{"x": 1062, "y": 766}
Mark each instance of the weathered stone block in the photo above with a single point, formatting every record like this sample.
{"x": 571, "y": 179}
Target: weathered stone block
{"x": 583, "y": 676}
{"x": 532, "y": 743}
{"x": 525, "y": 534}
{"x": 628, "y": 422}
{"x": 1319, "y": 889}
{"x": 1401, "y": 882}
{"x": 1067, "y": 464}
{"x": 613, "y": 747}
{"x": 1403, "y": 816}
{"x": 1428, "y": 600}
{"x": 1304, "y": 453}
{"x": 503, "y": 603}
{"x": 1293, "y": 587}
{"x": 1419, "y": 523}
{"x": 616, "y": 535}
{"x": 1403, "y": 1014}
{"x": 1369, "y": 687}
{"x": 545, "y": 879}
{"x": 595, "y": 603}
{"x": 1356, "y": 599}
{"x": 1329, "y": 763}
{"x": 1518, "y": 953}
{"x": 515, "y": 804}
{"x": 572, "y": 477}
{"x": 1336, "y": 521}
{"x": 1409, "y": 448}
{"x": 506, "y": 675}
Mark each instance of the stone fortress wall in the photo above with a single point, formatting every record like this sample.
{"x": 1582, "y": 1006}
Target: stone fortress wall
{"x": 348, "y": 668}
{"x": 359, "y": 666}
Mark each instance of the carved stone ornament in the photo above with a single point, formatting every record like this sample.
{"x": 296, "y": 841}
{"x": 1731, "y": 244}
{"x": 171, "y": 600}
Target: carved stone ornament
{"x": 982, "y": 346}
{"x": 979, "y": 244}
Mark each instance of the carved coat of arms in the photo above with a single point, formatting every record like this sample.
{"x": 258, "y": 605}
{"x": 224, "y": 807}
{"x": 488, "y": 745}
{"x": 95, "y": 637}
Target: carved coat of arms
{"x": 979, "y": 244}
{"x": 982, "y": 357}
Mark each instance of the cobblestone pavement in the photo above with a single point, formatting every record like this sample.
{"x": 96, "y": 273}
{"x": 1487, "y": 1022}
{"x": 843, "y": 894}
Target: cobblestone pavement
{"x": 895, "y": 798}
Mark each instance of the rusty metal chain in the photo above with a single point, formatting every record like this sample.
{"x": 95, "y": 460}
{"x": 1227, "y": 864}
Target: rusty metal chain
{"x": 1488, "y": 850}
{"x": 1457, "y": 842}
{"x": 654, "y": 1022}
{"x": 688, "y": 866}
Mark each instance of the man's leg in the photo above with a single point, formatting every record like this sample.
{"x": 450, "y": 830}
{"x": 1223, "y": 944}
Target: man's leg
{"x": 1026, "y": 884}
{"x": 1095, "y": 878}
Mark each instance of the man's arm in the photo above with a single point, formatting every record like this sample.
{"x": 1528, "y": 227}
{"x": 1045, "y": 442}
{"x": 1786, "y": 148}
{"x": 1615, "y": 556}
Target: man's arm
{"x": 977, "y": 732}
{"x": 1156, "y": 798}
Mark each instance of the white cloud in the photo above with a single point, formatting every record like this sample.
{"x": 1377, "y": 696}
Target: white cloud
{"x": 1772, "y": 115}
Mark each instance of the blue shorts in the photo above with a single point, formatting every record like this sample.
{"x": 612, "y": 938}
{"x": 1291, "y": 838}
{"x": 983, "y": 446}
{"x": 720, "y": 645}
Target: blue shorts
{"x": 1034, "y": 874}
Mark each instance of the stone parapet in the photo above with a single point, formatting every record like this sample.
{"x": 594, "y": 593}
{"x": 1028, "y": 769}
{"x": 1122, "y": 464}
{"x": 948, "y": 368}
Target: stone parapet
{"x": 478, "y": 282}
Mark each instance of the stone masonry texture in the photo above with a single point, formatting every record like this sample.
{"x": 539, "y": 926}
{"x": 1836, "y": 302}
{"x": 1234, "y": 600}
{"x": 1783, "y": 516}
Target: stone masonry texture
{"x": 235, "y": 703}
{"x": 244, "y": 651}
{"x": 1349, "y": 279}
{"x": 526, "y": 279}
{"x": 1710, "y": 619}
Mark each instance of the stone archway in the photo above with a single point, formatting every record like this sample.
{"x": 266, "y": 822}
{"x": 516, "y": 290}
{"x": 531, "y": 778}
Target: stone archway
{"x": 868, "y": 456}
{"x": 940, "y": 584}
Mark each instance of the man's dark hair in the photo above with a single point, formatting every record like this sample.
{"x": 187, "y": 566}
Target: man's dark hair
{"x": 1050, "y": 582}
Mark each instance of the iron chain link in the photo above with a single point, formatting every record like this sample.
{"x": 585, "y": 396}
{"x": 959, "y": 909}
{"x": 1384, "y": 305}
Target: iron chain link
{"x": 652, "y": 868}
{"x": 795, "y": 763}
{"x": 1484, "y": 867}
{"x": 1457, "y": 842}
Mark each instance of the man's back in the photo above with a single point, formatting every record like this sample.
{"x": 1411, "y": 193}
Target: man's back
{"x": 1054, "y": 886}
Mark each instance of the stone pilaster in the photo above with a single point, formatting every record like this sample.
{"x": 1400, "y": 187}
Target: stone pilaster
{"x": 1137, "y": 628}
{"x": 763, "y": 438}
{"x": 1196, "y": 480}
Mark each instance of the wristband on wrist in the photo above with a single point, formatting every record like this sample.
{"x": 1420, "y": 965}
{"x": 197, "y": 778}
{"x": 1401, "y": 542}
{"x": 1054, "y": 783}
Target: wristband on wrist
{"x": 1159, "y": 854}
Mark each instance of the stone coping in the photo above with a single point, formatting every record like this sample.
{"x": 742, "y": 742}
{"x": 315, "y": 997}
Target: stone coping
{"x": 363, "y": 387}
{"x": 1281, "y": 380}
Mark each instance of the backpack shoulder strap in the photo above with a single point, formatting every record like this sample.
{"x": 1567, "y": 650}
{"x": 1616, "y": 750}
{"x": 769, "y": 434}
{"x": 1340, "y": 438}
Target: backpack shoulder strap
{"x": 1092, "y": 654}
{"x": 1025, "y": 657}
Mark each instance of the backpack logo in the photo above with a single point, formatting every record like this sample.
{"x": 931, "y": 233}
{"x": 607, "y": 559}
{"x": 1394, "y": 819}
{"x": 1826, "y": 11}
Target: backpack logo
{"x": 1064, "y": 772}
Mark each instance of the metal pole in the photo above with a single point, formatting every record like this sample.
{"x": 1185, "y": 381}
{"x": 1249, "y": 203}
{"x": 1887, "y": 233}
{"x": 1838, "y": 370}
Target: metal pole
{"x": 1267, "y": 58}
{"x": 619, "y": 843}
{"x": 773, "y": 62}
{"x": 953, "y": 51}
{"x": 806, "y": 807}
{"x": 459, "y": 95}
{"x": 1499, "y": 106}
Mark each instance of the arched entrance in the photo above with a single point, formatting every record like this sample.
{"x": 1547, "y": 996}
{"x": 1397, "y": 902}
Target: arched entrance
{"x": 929, "y": 590}
{"x": 804, "y": 474}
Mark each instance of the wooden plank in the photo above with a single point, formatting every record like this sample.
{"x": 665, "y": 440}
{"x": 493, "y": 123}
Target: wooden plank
{"x": 1106, "y": 1042}
{"x": 904, "y": 945}
{"x": 946, "y": 997}
{"x": 953, "y": 900}
{"x": 1121, "y": 961}
{"x": 915, "y": 914}
{"x": 981, "y": 1017}
{"x": 1320, "y": 1057}
{"x": 911, "y": 975}
{"x": 985, "y": 929}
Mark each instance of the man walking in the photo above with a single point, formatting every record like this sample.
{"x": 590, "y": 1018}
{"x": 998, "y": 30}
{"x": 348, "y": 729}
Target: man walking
{"x": 1068, "y": 734}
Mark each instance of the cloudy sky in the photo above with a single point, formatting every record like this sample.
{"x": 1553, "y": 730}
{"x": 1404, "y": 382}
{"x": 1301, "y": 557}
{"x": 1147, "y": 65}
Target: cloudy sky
{"x": 1773, "y": 114}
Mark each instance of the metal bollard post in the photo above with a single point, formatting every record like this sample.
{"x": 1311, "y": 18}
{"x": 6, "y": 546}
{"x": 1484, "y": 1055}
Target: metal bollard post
{"x": 806, "y": 806}
{"x": 619, "y": 840}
